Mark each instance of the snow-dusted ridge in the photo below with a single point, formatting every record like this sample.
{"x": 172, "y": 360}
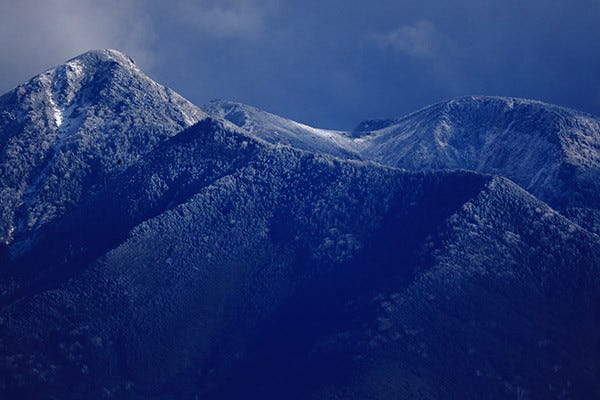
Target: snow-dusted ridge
{"x": 279, "y": 130}
{"x": 98, "y": 113}
{"x": 552, "y": 151}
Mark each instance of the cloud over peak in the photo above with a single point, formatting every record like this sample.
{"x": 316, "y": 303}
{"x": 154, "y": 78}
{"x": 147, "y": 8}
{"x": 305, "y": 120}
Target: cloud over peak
{"x": 421, "y": 39}
{"x": 230, "y": 19}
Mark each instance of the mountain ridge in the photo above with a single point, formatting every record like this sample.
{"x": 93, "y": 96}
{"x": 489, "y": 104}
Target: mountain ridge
{"x": 275, "y": 129}
{"x": 547, "y": 149}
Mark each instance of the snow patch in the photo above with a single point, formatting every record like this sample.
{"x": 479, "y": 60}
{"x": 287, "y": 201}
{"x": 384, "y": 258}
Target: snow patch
{"x": 188, "y": 119}
{"x": 56, "y": 111}
{"x": 74, "y": 69}
{"x": 315, "y": 131}
{"x": 58, "y": 114}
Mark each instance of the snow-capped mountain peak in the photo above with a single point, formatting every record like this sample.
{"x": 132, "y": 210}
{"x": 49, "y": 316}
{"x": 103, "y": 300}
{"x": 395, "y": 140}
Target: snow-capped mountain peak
{"x": 91, "y": 116}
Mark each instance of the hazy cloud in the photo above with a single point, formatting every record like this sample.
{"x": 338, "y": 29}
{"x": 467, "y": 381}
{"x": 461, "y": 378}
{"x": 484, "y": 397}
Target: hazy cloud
{"x": 38, "y": 34}
{"x": 418, "y": 40}
{"x": 225, "y": 19}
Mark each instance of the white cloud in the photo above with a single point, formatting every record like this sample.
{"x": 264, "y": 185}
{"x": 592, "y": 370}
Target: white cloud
{"x": 225, "y": 19}
{"x": 39, "y": 34}
{"x": 418, "y": 40}
{"x": 35, "y": 35}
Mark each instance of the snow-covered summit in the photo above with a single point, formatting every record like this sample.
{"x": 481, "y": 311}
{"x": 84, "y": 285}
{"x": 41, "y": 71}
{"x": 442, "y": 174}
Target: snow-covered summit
{"x": 103, "y": 56}
{"x": 551, "y": 151}
{"x": 66, "y": 130}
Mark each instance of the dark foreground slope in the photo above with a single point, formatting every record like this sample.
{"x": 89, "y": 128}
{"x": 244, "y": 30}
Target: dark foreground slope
{"x": 218, "y": 266}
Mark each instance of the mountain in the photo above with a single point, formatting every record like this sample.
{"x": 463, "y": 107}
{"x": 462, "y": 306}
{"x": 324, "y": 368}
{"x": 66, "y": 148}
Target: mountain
{"x": 552, "y": 152}
{"x": 219, "y": 264}
{"x": 275, "y": 273}
{"x": 67, "y": 130}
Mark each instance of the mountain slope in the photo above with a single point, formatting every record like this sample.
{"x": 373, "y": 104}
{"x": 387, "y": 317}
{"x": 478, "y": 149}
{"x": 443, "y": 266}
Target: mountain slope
{"x": 63, "y": 133}
{"x": 234, "y": 267}
{"x": 275, "y": 129}
{"x": 209, "y": 261}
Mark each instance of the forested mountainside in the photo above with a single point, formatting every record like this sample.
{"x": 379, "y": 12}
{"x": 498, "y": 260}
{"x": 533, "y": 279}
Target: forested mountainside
{"x": 212, "y": 262}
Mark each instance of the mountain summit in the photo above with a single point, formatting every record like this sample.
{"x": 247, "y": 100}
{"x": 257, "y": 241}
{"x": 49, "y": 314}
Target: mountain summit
{"x": 67, "y": 130}
{"x": 551, "y": 151}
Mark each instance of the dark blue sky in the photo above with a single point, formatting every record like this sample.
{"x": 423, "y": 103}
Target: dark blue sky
{"x": 326, "y": 63}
